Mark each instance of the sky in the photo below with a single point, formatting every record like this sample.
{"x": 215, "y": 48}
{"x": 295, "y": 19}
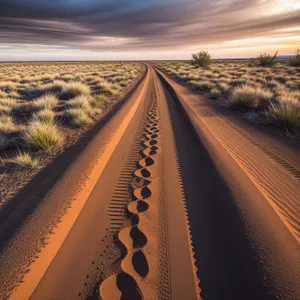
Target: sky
{"x": 146, "y": 29}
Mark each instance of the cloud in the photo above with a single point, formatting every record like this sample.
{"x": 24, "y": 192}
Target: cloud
{"x": 127, "y": 25}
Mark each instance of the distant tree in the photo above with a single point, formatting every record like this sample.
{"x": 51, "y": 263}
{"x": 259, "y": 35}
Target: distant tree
{"x": 201, "y": 59}
{"x": 295, "y": 61}
{"x": 265, "y": 59}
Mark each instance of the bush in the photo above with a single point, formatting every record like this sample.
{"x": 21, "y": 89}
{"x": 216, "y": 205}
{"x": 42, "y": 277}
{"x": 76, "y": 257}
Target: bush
{"x": 267, "y": 59}
{"x": 285, "y": 115}
{"x": 201, "y": 59}
{"x": 295, "y": 61}
{"x": 43, "y": 136}
{"x": 26, "y": 161}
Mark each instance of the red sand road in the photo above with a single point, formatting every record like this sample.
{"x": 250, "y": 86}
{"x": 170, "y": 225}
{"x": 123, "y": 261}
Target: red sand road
{"x": 168, "y": 199}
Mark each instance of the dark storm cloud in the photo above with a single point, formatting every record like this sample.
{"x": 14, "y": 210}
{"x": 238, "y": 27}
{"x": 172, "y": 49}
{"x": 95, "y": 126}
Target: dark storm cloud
{"x": 135, "y": 24}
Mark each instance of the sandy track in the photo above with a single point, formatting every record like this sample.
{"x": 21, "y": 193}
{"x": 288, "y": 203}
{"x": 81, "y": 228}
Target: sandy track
{"x": 167, "y": 201}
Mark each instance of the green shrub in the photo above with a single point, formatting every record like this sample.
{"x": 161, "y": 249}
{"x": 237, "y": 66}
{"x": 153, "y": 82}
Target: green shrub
{"x": 295, "y": 61}
{"x": 265, "y": 59}
{"x": 201, "y": 59}
{"x": 82, "y": 102}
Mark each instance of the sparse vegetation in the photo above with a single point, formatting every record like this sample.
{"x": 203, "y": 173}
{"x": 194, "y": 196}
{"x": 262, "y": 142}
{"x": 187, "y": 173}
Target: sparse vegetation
{"x": 201, "y": 59}
{"x": 45, "y": 107}
{"x": 269, "y": 94}
{"x": 203, "y": 85}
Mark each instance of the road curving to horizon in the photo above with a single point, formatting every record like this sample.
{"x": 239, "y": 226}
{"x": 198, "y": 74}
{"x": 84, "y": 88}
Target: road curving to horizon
{"x": 168, "y": 199}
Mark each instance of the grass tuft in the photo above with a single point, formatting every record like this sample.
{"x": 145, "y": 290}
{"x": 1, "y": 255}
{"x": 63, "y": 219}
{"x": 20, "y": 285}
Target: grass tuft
{"x": 6, "y": 124}
{"x": 248, "y": 97}
{"x": 203, "y": 85}
{"x": 47, "y": 101}
{"x": 7, "y": 105}
{"x": 44, "y": 116}
{"x": 78, "y": 117}
{"x": 95, "y": 102}
{"x": 75, "y": 88}
{"x": 26, "y": 161}
{"x": 43, "y": 136}
{"x": 285, "y": 115}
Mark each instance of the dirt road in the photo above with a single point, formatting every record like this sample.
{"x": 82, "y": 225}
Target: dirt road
{"x": 166, "y": 199}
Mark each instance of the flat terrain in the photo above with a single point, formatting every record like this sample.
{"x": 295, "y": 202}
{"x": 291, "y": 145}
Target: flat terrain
{"x": 166, "y": 197}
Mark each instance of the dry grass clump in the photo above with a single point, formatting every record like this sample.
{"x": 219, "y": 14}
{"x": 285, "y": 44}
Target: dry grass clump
{"x": 285, "y": 115}
{"x": 8, "y": 86}
{"x": 75, "y": 88}
{"x": 48, "y": 101}
{"x": 26, "y": 161}
{"x": 7, "y": 105}
{"x": 215, "y": 93}
{"x": 78, "y": 117}
{"x": 203, "y": 85}
{"x": 82, "y": 108}
{"x": 96, "y": 102}
{"x": 44, "y": 136}
{"x": 247, "y": 97}
{"x": 44, "y": 116}
{"x": 7, "y": 124}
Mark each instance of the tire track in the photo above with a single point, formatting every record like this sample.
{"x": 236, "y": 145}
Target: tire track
{"x": 132, "y": 239}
